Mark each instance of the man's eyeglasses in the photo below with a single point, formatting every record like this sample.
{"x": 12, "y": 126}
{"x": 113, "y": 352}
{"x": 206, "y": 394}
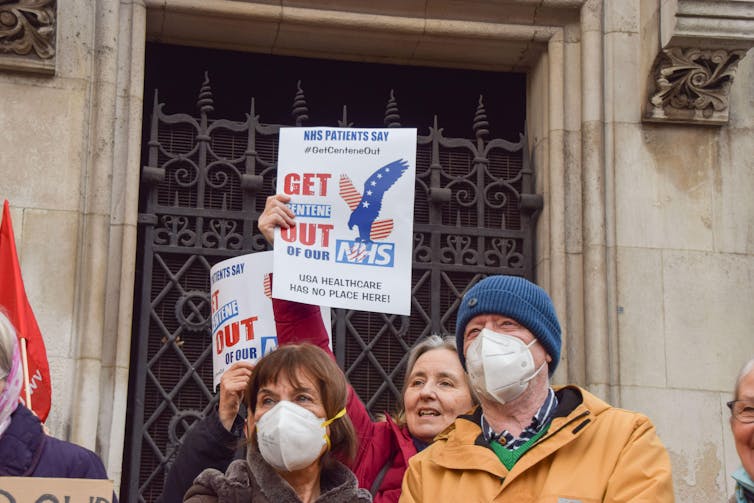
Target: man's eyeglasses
{"x": 742, "y": 410}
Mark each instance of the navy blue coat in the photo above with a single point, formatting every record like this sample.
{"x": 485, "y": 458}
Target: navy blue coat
{"x": 26, "y": 451}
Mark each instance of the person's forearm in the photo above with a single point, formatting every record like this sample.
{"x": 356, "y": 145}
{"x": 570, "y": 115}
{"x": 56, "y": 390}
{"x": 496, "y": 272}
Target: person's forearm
{"x": 296, "y": 323}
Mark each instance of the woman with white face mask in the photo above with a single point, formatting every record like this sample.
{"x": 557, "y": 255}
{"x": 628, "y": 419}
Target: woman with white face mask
{"x": 297, "y": 421}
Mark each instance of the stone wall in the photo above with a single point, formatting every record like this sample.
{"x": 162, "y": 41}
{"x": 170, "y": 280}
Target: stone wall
{"x": 684, "y": 242}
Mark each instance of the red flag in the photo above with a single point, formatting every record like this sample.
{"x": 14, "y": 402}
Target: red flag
{"x": 13, "y": 300}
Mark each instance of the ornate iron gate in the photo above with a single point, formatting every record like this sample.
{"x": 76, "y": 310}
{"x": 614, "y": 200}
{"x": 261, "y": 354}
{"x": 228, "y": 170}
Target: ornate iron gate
{"x": 204, "y": 185}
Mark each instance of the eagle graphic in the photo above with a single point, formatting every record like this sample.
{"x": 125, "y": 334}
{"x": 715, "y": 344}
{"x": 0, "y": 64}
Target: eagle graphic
{"x": 365, "y": 208}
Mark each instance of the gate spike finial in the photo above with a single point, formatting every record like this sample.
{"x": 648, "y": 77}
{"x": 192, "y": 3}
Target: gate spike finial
{"x": 205, "y": 102}
{"x": 392, "y": 115}
{"x": 300, "y": 111}
{"x": 480, "y": 120}
{"x": 343, "y": 121}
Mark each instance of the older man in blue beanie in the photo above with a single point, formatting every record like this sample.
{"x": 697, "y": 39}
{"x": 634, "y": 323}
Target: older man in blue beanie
{"x": 528, "y": 442}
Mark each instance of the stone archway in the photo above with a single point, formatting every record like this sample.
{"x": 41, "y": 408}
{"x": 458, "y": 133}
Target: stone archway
{"x": 557, "y": 44}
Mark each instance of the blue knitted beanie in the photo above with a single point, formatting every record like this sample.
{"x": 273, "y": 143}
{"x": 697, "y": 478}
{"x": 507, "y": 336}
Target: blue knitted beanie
{"x": 516, "y": 298}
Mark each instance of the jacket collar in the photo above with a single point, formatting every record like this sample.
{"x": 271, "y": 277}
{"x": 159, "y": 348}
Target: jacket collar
{"x": 575, "y": 412}
{"x": 401, "y": 437}
{"x": 744, "y": 484}
{"x": 456, "y": 454}
{"x": 246, "y": 478}
{"x": 337, "y": 483}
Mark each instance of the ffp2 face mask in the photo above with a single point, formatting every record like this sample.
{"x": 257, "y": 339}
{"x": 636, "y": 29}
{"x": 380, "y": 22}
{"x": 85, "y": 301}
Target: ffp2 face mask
{"x": 500, "y": 366}
{"x": 291, "y": 437}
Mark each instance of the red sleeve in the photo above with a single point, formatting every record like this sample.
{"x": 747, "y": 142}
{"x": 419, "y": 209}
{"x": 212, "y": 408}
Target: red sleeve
{"x": 295, "y": 323}
{"x": 365, "y": 429}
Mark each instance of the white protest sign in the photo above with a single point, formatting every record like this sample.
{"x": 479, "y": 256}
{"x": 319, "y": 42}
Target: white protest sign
{"x": 352, "y": 191}
{"x": 52, "y": 490}
{"x": 243, "y": 324}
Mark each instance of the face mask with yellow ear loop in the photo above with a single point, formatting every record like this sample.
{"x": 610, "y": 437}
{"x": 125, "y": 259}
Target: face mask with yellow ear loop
{"x": 291, "y": 437}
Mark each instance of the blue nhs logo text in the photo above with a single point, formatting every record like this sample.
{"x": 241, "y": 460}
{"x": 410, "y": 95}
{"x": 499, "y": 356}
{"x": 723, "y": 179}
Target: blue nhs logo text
{"x": 359, "y": 253}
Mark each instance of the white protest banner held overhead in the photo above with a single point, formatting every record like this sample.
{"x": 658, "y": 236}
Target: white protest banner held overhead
{"x": 243, "y": 323}
{"x": 352, "y": 191}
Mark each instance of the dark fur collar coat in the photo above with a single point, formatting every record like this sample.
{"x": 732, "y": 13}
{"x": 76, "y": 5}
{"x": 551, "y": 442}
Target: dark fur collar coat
{"x": 254, "y": 481}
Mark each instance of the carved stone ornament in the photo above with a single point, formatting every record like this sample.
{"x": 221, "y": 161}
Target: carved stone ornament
{"x": 701, "y": 43}
{"x": 693, "y": 85}
{"x": 27, "y": 35}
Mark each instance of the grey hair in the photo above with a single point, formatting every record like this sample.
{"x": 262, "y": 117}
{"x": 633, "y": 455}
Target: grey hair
{"x": 748, "y": 367}
{"x": 432, "y": 342}
{"x": 7, "y": 343}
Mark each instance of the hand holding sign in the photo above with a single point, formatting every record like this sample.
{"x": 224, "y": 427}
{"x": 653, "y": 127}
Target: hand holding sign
{"x": 276, "y": 214}
{"x": 232, "y": 386}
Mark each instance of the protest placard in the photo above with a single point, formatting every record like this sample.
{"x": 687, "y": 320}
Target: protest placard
{"x": 243, "y": 324}
{"x": 352, "y": 191}
{"x": 51, "y": 490}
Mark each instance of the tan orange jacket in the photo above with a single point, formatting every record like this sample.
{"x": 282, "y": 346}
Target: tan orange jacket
{"x": 591, "y": 453}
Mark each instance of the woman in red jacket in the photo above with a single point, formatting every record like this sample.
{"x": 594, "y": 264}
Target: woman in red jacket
{"x": 434, "y": 393}
{"x": 435, "y": 389}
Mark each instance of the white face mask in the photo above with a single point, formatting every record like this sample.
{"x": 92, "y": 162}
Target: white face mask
{"x": 500, "y": 366}
{"x": 291, "y": 437}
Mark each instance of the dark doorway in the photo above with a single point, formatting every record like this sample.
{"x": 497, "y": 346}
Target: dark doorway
{"x": 421, "y": 92}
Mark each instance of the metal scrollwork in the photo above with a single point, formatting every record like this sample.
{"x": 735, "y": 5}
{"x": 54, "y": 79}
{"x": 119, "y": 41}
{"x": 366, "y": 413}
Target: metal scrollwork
{"x": 219, "y": 174}
{"x": 495, "y": 195}
{"x": 464, "y": 192}
{"x": 183, "y": 420}
{"x": 459, "y": 251}
{"x": 27, "y": 25}
{"x": 186, "y": 174}
{"x": 192, "y": 310}
{"x": 422, "y": 251}
{"x": 222, "y": 234}
{"x": 174, "y": 232}
{"x": 502, "y": 253}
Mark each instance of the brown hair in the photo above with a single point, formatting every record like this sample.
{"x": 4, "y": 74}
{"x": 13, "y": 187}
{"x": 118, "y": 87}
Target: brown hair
{"x": 291, "y": 361}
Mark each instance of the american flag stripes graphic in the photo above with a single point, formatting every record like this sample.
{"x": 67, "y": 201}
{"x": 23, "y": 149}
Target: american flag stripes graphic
{"x": 366, "y": 207}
